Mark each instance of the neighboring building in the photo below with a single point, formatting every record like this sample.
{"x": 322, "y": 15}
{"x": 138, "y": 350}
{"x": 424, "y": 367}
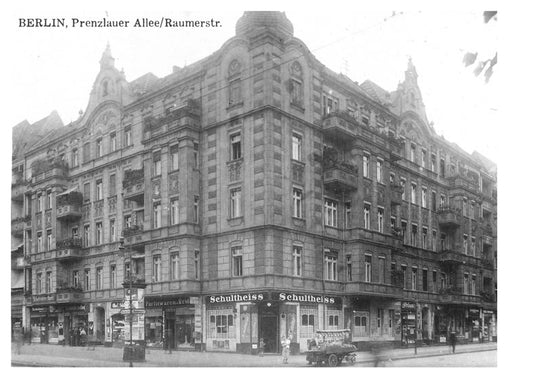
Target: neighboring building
{"x": 262, "y": 195}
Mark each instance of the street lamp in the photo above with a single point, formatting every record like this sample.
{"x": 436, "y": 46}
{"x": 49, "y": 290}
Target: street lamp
{"x": 122, "y": 248}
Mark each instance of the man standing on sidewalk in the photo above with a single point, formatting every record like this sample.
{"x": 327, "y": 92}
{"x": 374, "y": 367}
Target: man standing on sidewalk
{"x": 453, "y": 341}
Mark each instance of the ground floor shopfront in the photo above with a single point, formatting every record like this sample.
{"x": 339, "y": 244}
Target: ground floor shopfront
{"x": 235, "y": 322}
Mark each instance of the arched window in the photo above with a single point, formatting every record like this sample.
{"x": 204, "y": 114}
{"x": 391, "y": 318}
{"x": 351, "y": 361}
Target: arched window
{"x": 234, "y": 85}
{"x": 296, "y": 85}
{"x": 105, "y": 88}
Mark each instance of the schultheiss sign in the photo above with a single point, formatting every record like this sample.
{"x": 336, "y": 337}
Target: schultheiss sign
{"x": 308, "y": 298}
{"x": 236, "y": 298}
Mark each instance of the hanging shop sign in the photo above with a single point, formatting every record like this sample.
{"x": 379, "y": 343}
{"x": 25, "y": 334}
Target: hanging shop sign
{"x": 408, "y": 306}
{"x": 474, "y": 312}
{"x": 167, "y": 302}
{"x": 488, "y": 312}
{"x": 117, "y": 304}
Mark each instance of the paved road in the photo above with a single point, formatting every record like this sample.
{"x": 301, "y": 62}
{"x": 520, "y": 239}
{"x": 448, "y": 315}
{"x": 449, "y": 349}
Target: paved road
{"x": 53, "y": 355}
{"x": 477, "y": 359}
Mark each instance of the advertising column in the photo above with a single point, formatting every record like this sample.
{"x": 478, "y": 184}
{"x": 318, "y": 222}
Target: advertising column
{"x": 408, "y": 314}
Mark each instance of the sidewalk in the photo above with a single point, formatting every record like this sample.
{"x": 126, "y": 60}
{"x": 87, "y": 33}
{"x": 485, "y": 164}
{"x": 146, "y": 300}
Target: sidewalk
{"x": 55, "y": 355}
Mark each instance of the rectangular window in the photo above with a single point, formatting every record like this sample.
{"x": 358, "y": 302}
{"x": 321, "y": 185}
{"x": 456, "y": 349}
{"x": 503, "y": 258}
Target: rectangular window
{"x": 380, "y": 320}
{"x": 434, "y": 279}
{"x": 112, "y": 231}
{"x": 414, "y": 234}
{"x": 99, "y": 233}
{"x": 112, "y": 185}
{"x": 465, "y": 284}
{"x": 361, "y": 324}
{"x": 235, "y": 96}
{"x": 112, "y": 142}
{"x": 197, "y": 264}
{"x": 379, "y": 170}
{"x": 442, "y": 168}
{"x": 49, "y": 199}
{"x": 236, "y": 253}
{"x": 87, "y": 192}
{"x": 347, "y": 215}
{"x": 99, "y": 147}
{"x": 413, "y": 193}
{"x": 405, "y": 278}
{"x": 157, "y": 163}
{"x": 235, "y": 143}
{"x": 442, "y": 200}
{"x": 296, "y": 92}
{"x": 424, "y": 237}
{"x": 156, "y": 274}
{"x": 99, "y": 190}
{"x": 424, "y": 157}
{"x": 174, "y": 211}
{"x": 48, "y": 282}
{"x": 424, "y": 197}
{"x": 196, "y": 205}
{"x": 414, "y": 280}
{"x": 381, "y": 269}
{"x": 113, "y": 276}
{"x": 235, "y": 203}
{"x": 308, "y": 315}
{"x": 473, "y": 246}
{"x": 76, "y": 279}
{"x": 366, "y": 216}
{"x": 331, "y": 266}
{"x": 443, "y": 242}
{"x": 49, "y": 240}
{"x": 473, "y": 285}
{"x": 296, "y": 147}
{"x": 366, "y": 165}
{"x": 465, "y": 244}
{"x": 413, "y": 153}
{"x": 330, "y": 216}
{"x": 368, "y": 268}
{"x": 174, "y": 266}
{"x": 174, "y": 158}
{"x": 127, "y": 221}
{"x": 157, "y": 214}
{"x": 39, "y": 283}
{"x": 349, "y": 276}
{"x": 86, "y": 235}
{"x": 75, "y": 157}
{"x": 425, "y": 280}
{"x": 402, "y": 184}
{"x": 443, "y": 283}
{"x": 433, "y": 163}
{"x": 392, "y": 223}
{"x": 99, "y": 278}
{"x": 297, "y": 203}
{"x": 381, "y": 214}
{"x": 87, "y": 277}
{"x": 434, "y": 240}
{"x": 40, "y": 203}
{"x": 127, "y": 136}
{"x": 297, "y": 260}
{"x": 465, "y": 207}
{"x": 434, "y": 201}
{"x": 404, "y": 232}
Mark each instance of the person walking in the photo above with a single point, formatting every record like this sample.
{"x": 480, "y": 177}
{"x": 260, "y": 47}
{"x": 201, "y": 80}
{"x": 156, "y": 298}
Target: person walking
{"x": 285, "y": 345}
{"x": 261, "y": 347}
{"x": 453, "y": 341}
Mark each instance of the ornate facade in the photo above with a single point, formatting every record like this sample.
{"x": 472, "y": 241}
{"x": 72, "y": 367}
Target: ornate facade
{"x": 260, "y": 194}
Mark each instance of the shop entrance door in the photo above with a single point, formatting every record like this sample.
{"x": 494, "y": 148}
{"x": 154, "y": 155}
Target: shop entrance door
{"x": 269, "y": 332}
{"x": 184, "y": 329}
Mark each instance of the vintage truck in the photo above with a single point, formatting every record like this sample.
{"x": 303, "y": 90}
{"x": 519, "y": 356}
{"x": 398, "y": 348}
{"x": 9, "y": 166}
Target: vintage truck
{"x": 331, "y": 347}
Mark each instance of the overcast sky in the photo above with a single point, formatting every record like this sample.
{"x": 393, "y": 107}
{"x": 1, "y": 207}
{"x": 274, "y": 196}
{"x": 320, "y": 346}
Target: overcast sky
{"x": 54, "y": 69}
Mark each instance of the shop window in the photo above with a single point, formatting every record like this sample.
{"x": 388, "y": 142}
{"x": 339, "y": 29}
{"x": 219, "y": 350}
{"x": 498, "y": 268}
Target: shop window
{"x": 221, "y": 323}
{"x": 333, "y": 316}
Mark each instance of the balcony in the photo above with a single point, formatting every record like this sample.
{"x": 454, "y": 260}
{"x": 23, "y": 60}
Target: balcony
{"x": 133, "y": 185}
{"x": 132, "y": 230}
{"x": 459, "y": 181}
{"x": 448, "y": 217}
{"x": 374, "y": 289}
{"x": 20, "y": 263}
{"x": 17, "y": 226}
{"x": 487, "y": 239}
{"x": 69, "y": 294}
{"x": 17, "y": 190}
{"x": 69, "y": 205}
{"x": 396, "y": 192}
{"x": 136, "y": 280}
{"x": 44, "y": 298}
{"x": 340, "y": 126}
{"x": 487, "y": 263}
{"x": 452, "y": 257}
{"x": 340, "y": 177}
{"x": 69, "y": 249}
{"x": 487, "y": 296}
{"x": 44, "y": 169}
{"x": 187, "y": 115}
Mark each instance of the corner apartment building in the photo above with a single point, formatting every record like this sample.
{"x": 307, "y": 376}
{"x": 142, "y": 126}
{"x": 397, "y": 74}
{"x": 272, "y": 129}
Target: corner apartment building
{"x": 260, "y": 194}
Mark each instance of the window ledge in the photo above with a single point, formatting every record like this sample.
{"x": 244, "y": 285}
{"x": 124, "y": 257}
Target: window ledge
{"x": 236, "y": 221}
{"x": 235, "y": 106}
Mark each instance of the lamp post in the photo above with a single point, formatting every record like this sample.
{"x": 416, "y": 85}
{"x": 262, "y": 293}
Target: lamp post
{"x": 122, "y": 248}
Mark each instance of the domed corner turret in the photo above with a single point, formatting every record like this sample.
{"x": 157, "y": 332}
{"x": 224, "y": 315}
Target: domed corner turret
{"x": 275, "y": 21}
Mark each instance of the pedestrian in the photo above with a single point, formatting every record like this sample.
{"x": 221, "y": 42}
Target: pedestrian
{"x": 170, "y": 340}
{"x": 453, "y": 341}
{"x": 261, "y": 347}
{"x": 285, "y": 345}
